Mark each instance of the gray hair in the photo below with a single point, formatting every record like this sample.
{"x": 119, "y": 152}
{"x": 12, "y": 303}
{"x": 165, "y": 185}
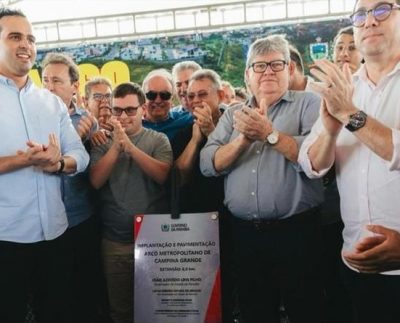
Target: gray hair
{"x": 96, "y": 81}
{"x": 183, "y": 66}
{"x": 228, "y": 85}
{"x": 209, "y": 75}
{"x": 273, "y": 43}
{"x": 161, "y": 72}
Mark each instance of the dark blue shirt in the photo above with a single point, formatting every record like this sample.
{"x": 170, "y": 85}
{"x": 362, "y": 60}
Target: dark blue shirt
{"x": 176, "y": 120}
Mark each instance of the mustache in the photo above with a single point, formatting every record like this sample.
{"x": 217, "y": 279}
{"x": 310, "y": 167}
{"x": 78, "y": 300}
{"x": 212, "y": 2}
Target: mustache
{"x": 158, "y": 104}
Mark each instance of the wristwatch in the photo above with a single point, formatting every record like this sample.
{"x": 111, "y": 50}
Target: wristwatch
{"x": 272, "y": 138}
{"x": 62, "y": 165}
{"x": 357, "y": 121}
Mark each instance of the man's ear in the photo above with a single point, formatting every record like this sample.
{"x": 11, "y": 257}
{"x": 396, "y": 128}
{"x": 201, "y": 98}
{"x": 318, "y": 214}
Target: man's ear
{"x": 221, "y": 95}
{"x": 291, "y": 67}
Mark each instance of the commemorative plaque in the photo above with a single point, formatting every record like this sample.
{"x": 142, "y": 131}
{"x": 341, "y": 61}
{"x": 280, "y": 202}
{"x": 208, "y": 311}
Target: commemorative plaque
{"x": 177, "y": 274}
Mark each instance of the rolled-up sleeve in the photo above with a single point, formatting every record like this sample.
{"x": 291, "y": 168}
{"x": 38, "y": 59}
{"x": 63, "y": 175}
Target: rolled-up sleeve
{"x": 304, "y": 159}
{"x": 394, "y": 164}
{"x": 71, "y": 143}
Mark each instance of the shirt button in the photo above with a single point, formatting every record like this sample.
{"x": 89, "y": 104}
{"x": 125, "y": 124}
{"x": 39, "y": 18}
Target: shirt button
{"x": 258, "y": 151}
{"x": 253, "y": 170}
{"x": 252, "y": 193}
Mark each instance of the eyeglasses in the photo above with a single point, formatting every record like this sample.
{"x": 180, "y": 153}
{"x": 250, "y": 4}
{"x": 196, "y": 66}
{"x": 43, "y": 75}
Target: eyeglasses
{"x": 129, "y": 111}
{"x": 164, "y": 95}
{"x": 276, "y": 66}
{"x": 201, "y": 95}
{"x": 100, "y": 97}
{"x": 380, "y": 13}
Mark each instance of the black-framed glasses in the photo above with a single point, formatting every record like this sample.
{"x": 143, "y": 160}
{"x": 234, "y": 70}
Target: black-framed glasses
{"x": 164, "y": 95}
{"x": 201, "y": 95}
{"x": 129, "y": 111}
{"x": 380, "y": 12}
{"x": 276, "y": 66}
{"x": 100, "y": 97}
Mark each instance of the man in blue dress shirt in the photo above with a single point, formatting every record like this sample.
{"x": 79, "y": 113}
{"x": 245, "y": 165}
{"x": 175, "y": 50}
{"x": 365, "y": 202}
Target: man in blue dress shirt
{"x": 275, "y": 219}
{"x": 39, "y": 143}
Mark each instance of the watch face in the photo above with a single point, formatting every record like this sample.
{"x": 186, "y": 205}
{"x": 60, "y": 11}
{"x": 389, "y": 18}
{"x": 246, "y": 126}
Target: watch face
{"x": 357, "y": 121}
{"x": 273, "y": 138}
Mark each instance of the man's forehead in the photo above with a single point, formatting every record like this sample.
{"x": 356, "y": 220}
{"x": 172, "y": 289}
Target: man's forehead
{"x": 130, "y": 99}
{"x": 184, "y": 75}
{"x": 270, "y": 54}
{"x": 16, "y": 24}
{"x": 367, "y": 3}
{"x": 55, "y": 67}
{"x": 159, "y": 82}
{"x": 100, "y": 89}
{"x": 198, "y": 85}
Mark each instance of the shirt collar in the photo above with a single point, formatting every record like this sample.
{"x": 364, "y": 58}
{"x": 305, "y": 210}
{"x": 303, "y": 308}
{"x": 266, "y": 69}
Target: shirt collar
{"x": 9, "y": 82}
{"x": 287, "y": 96}
{"x": 361, "y": 74}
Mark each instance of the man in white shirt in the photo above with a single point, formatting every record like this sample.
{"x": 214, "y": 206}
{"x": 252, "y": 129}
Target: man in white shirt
{"x": 367, "y": 157}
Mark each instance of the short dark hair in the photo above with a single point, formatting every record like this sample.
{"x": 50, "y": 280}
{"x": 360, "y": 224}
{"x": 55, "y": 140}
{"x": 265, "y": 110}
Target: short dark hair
{"x": 6, "y": 12}
{"x": 124, "y": 89}
{"x": 59, "y": 58}
{"x": 241, "y": 93}
{"x": 344, "y": 31}
{"x": 295, "y": 57}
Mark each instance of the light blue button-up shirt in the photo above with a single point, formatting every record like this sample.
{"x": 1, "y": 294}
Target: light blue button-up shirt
{"x": 262, "y": 183}
{"x": 31, "y": 208}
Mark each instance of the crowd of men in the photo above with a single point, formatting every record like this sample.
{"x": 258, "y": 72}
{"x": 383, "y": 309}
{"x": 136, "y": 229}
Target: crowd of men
{"x": 290, "y": 163}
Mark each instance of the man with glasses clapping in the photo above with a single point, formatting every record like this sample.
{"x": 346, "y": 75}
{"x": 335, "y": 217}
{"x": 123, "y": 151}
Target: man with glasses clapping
{"x": 129, "y": 171}
{"x": 275, "y": 222}
{"x": 359, "y": 130}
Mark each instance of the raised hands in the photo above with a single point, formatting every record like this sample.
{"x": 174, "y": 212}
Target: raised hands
{"x": 253, "y": 123}
{"x": 46, "y": 157}
{"x": 203, "y": 118}
{"x": 336, "y": 89}
{"x": 100, "y": 137}
{"x": 331, "y": 124}
{"x": 85, "y": 125}
{"x": 121, "y": 139}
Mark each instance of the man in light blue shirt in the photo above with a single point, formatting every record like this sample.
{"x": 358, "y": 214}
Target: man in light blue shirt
{"x": 275, "y": 218}
{"x": 39, "y": 143}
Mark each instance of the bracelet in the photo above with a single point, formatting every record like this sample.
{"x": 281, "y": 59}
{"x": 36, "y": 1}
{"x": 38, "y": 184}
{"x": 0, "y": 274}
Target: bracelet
{"x": 62, "y": 165}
